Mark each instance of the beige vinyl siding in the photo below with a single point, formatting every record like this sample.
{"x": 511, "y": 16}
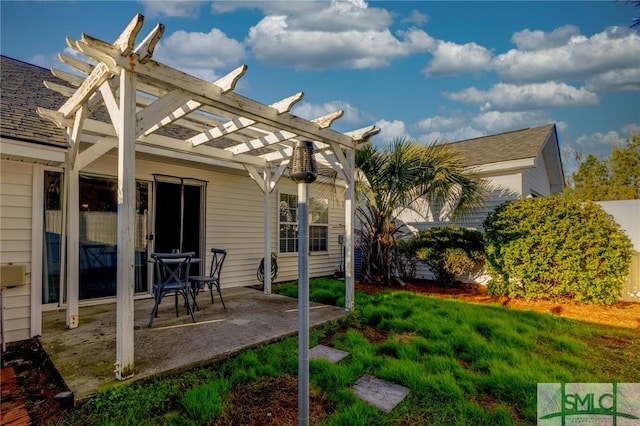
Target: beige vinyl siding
{"x": 320, "y": 263}
{"x": 234, "y": 219}
{"x": 15, "y": 245}
{"x": 503, "y": 188}
{"x": 536, "y": 180}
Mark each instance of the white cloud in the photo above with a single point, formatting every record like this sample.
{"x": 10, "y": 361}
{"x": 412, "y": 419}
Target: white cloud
{"x": 497, "y": 122}
{"x": 439, "y": 123}
{"x": 416, "y": 17}
{"x": 562, "y": 126}
{"x": 580, "y": 57}
{"x": 528, "y": 40}
{"x": 511, "y": 97}
{"x": 452, "y": 59}
{"x": 353, "y": 15}
{"x": 459, "y": 134}
{"x": 268, "y": 7}
{"x": 51, "y": 60}
{"x": 171, "y": 9}
{"x": 625, "y": 80}
{"x": 389, "y": 130}
{"x": 310, "y": 111}
{"x": 199, "y": 53}
{"x": 272, "y": 41}
{"x": 600, "y": 143}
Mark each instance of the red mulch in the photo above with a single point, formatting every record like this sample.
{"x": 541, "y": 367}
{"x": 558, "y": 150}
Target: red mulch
{"x": 37, "y": 381}
{"x": 621, "y": 314}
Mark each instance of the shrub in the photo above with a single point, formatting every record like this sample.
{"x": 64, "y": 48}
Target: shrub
{"x": 550, "y": 247}
{"x": 449, "y": 252}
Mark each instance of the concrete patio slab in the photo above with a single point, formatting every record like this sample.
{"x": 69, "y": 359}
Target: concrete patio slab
{"x": 325, "y": 352}
{"x": 85, "y": 356}
{"x": 379, "y": 393}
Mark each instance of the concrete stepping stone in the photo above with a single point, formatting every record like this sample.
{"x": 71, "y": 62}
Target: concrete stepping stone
{"x": 379, "y": 393}
{"x": 328, "y": 353}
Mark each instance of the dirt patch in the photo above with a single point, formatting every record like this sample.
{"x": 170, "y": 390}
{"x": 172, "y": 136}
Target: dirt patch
{"x": 621, "y": 314}
{"x": 272, "y": 401}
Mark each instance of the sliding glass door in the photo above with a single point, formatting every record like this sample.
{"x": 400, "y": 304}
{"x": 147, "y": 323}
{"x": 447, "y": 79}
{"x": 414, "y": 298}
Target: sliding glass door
{"x": 178, "y": 214}
{"x": 98, "y": 222}
{"x": 99, "y": 238}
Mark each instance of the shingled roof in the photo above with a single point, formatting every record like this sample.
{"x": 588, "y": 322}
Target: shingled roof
{"x": 22, "y": 88}
{"x": 508, "y": 146}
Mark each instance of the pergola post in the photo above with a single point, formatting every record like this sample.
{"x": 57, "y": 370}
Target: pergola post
{"x": 126, "y": 226}
{"x": 72, "y": 248}
{"x": 267, "y": 231}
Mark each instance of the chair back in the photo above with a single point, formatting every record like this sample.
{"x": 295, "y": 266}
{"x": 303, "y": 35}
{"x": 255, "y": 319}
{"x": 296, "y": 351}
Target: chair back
{"x": 172, "y": 268}
{"x": 216, "y": 262}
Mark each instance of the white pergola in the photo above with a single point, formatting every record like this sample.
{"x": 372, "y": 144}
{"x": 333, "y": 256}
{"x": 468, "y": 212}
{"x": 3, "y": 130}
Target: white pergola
{"x": 155, "y": 109}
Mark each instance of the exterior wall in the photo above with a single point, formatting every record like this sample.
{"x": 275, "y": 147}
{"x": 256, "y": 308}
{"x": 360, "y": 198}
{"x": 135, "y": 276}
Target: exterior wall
{"x": 503, "y": 188}
{"x": 235, "y": 219}
{"x": 535, "y": 181}
{"x": 15, "y": 245}
{"x": 321, "y": 263}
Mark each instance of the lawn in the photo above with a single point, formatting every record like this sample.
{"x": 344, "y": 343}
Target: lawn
{"x": 465, "y": 364}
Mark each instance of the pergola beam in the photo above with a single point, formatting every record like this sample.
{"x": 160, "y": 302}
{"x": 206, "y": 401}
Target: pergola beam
{"x": 210, "y": 94}
{"x": 238, "y": 123}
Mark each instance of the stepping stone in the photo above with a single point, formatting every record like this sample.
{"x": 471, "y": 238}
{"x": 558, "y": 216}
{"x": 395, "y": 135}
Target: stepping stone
{"x": 379, "y": 393}
{"x": 328, "y": 353}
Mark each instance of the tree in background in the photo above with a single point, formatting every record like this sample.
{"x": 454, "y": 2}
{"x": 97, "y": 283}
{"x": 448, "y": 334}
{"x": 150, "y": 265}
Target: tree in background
{"x": 614, "y": 178}
{"x": 400, "y": 176}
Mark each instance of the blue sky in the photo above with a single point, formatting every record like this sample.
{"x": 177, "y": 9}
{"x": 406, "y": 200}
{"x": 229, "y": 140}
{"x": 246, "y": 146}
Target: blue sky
{"x": 421, "y": 69}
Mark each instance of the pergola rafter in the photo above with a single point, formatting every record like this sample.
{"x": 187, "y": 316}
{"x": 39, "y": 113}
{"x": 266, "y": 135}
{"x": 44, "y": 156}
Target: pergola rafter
{"x": 130, "y": 103}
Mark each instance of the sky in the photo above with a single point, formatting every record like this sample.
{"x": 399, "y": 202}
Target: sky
{"x": 424, "y": 70}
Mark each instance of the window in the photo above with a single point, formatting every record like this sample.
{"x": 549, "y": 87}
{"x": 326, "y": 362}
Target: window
{"x": 318, "y": 209}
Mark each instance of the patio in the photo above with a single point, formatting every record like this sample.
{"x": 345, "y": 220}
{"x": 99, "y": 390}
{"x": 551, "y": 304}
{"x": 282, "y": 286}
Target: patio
{"x": 85, "y": 356}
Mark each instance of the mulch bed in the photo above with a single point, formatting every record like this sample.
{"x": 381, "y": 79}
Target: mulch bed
{"x": 38, "y": 382}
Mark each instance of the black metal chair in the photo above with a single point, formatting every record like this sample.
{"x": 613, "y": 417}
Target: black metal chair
{"x": 211, "y": 280}
{"x": 172, "y": 277}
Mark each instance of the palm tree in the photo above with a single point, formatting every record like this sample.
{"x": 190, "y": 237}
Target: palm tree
{"x": 405, "y": 175}
{"x": 636, "y": 20}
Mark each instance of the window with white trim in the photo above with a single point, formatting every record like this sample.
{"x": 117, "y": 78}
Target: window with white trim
{"x": 318, "y": 209}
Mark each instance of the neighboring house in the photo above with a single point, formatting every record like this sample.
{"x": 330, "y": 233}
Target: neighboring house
{"x": 516, "y": 164}
{"x": 186, "y": 197}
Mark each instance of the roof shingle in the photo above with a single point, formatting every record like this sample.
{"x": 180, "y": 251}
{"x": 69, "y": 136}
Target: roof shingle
{"x": 22, "y": 90}
{"x": 508, "y": 146}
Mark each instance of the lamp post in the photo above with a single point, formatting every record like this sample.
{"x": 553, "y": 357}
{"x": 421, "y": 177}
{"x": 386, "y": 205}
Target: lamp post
{"x": 303, "y": 171}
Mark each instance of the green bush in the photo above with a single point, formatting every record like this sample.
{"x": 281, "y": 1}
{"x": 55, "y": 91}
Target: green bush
{"x": 449, "y": 252}
{"x": 540, "y": 248}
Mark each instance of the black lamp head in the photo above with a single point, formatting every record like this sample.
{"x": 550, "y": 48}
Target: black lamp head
{"x": 304, "y": 168}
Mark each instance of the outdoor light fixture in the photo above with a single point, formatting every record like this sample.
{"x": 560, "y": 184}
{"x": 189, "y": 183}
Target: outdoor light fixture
{"x": 303, "y": 171}
{"x": 304, "y": 168}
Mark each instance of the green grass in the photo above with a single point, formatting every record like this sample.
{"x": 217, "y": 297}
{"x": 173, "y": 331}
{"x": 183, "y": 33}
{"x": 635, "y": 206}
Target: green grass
{"x": 466, "y": 364}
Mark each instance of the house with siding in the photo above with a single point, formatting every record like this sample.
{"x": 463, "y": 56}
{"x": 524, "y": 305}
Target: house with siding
{"x": 208, "y": 168}
{"x": 515, "y": 164}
